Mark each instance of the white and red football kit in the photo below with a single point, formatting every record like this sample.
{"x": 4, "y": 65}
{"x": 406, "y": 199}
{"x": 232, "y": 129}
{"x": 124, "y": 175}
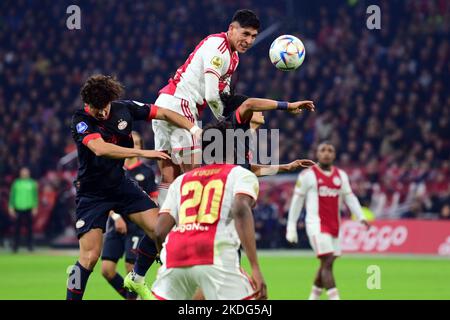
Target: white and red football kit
{"x": 188, "y": 91}
{"x": 202, "y": 250}
{"x": 324, "y": 192}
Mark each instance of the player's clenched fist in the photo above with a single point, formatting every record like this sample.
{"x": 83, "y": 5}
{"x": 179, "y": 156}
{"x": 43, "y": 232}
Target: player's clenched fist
{"x": 291, "y": 233}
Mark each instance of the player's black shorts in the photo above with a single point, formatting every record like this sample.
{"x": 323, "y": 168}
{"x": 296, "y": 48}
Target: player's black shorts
{"x": 116, "y": 244}
{"x": 93, "y": 209}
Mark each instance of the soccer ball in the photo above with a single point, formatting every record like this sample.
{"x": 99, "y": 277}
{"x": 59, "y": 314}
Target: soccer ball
{"x": 287, "y": 52}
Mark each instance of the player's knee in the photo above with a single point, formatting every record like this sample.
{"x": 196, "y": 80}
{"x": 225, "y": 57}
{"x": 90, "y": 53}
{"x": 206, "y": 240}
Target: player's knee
{"x": 108, "y": 272}
{"x": 89, "y": 258}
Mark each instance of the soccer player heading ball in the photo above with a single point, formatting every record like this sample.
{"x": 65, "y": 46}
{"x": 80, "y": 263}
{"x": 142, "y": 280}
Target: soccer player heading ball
{"x": 198, "y": 82}
{"x": 102, "y": 133}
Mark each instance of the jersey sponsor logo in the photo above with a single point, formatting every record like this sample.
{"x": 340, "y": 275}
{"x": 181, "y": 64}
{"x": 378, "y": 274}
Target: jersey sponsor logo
{"x": 337, "y": 181}
{"x": 190, "y": 227}
{"x": 81, "y": 127}
{"x": 122, "y": 124}
{"x": 217, "y": 62}
{"x": 139, "y": 177}
{"x": 325, "y": 191}
{"x": 80, "y": 224}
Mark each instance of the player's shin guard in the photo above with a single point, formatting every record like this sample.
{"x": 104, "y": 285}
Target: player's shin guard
{"x": 146, "y": 255}
{"x": 117, "y": 284}
{"x": 163, "y": 188}
{"x": 76, "y": 284}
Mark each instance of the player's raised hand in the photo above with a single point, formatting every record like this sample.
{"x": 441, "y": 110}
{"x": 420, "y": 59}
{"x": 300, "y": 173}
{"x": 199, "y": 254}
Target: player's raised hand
{"x": 153, "y": 154}
{"x": 259, "y": 284}
{"x": 298, "y": 106}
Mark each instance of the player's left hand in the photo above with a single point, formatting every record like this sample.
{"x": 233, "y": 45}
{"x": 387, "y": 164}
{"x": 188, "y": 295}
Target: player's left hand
{"x": 300, "y": 163}
{"x": 366, "y": 224}
{"x": 299, "y": 106}
{"x": 259, "y": 284}
{"x": 34, "y": 211}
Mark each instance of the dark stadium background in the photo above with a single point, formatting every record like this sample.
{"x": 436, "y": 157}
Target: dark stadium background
{"x": 381, "y": 96}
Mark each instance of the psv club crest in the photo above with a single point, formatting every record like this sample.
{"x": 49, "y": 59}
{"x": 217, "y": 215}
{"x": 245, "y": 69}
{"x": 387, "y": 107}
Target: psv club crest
{"x": 122, "y": 124}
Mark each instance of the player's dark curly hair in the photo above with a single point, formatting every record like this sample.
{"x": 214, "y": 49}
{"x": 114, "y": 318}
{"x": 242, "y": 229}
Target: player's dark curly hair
{"x": 231, "y": 102}
{"x": 99, "y": 90}
{"x": 246, "y": 19}
{"x": 208, "y": 137}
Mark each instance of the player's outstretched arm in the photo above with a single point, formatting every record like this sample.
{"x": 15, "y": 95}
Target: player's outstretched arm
{"x": 245, "y": 227}
{"x": 268, "y": 170}
{"x": 257, "y": 104}
{"x": 101, "y": 148}
{"x": 178, "y": 120}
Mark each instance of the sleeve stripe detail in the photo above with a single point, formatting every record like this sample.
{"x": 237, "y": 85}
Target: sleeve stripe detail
{"x": 90, "y": 137}
{"x": 209, "y": 70}
{"x": 152, "y": 113}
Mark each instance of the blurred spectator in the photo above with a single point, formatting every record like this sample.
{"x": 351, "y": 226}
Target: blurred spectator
{"x": 23, "y": 204}
{"x": 445, "y": 212}
{"x": 266, "y": 225}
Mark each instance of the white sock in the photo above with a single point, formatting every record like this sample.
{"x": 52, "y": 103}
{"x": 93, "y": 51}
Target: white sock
{"x": 333, "y": 294}
{"x": 163, "y": 188}
{"x": 137, "y": 278}
{"x": 315, "y": 293}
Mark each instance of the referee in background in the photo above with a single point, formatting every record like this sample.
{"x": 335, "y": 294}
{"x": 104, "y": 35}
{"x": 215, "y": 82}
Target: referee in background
{"x": 23, "y": 204}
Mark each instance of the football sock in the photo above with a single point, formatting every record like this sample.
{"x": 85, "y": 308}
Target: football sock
{"x": 117, "y": 284}
{"x": 333, "y": 294}
{"x": 315, "y": 293}
{"x": 145, "y": 257}
{"x": 77, "y": 281}
{"x": 131, "y": 295}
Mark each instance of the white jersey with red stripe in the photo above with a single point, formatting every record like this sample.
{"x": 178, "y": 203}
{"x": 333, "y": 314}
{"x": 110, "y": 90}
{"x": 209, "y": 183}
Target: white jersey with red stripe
{"x": 213, "y": 54}
{"x": 200, "y": 201}
{"x": 324, "y": 192}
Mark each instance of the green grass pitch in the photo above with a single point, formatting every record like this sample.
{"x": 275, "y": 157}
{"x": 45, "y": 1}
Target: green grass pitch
{"x": 43, "y": 276}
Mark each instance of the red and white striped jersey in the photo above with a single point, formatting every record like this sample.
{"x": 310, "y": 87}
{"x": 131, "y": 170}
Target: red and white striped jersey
{"x": 324, "y": 192}
{"x": 200, "y": 201}
{"x": 213, "y": 54}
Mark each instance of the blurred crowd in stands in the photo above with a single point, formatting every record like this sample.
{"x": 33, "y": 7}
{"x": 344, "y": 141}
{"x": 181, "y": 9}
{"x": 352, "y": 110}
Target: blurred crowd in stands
{"x": 381, "y": 96}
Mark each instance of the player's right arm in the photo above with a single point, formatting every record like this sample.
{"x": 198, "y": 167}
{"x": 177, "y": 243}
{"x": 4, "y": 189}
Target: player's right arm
{"x": 101, "y": 148}
{"x": 298, "y": 199}
{"x": 84, "y": 132}
{"x": 214, "y": 67}
{"x": 256, "y": 104}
